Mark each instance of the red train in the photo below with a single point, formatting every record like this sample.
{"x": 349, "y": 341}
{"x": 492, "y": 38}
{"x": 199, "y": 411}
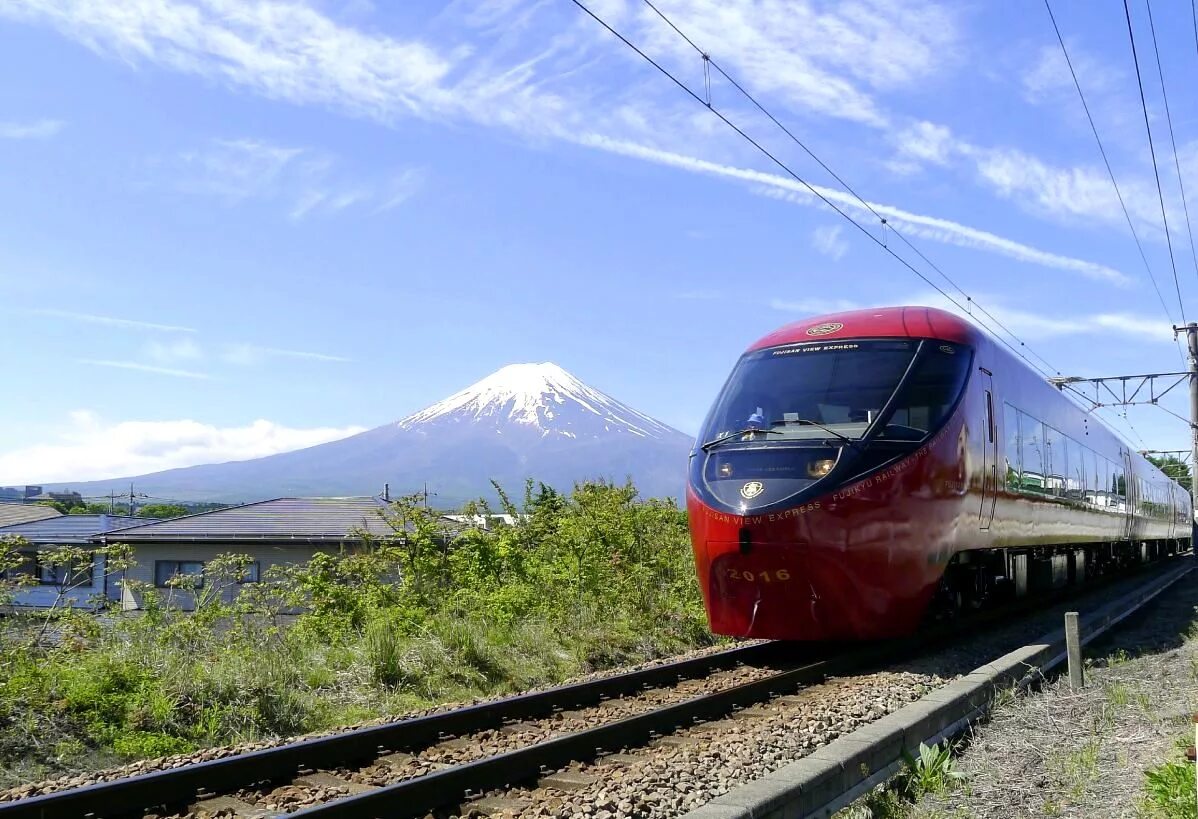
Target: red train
{"x": 864, "y": 471}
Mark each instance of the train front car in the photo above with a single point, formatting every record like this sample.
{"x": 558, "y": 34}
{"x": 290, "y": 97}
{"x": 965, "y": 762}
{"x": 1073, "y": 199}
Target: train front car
{"x": 831, "y": 475}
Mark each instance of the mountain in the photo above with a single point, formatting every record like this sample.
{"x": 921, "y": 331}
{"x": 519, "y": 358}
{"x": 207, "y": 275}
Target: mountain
{"x": 524, "y": 420}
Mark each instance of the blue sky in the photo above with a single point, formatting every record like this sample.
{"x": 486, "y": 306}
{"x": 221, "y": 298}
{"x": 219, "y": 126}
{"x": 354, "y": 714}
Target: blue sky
{"x": 231, "y": 227}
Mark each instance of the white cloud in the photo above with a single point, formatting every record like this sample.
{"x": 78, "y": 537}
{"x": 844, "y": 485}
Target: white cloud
{"x": 37, "y": 129}
{"x": 926, "y": 142}
{"x": 828, "y": 241}
{"x": 111, "y": 321}
{"x": 181, "y": 349}
{"x": 815, "y": 306}
{"x": 823, "y": 58}
{"x": 144, "y": 368}
{"x": 1032, "y": 326}
{"x": 88, "y": 448}
{"x": 914, "y": 224}
{"x": 251, "y": 354}
{"x": 304, "y": 180}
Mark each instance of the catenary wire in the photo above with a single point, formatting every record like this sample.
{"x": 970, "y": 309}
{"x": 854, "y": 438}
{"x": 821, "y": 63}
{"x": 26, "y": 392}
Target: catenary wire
{"x": 1152, "y": 151}
{"x": 1110, "y": 171}
{"x": 813, "y": 190}
{"x": 708, "y": 60}
{"x": 1160, "y": 70}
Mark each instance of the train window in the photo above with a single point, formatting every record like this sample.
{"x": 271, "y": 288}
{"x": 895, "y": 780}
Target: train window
{"x": 932, "y": 391}
{"x": 1056, "y": 466}
{"x": 1011, "y": 444}
{"x": 1079, "y": 456}
{"x": 840, "y": 385}
{"x": 1031, "y": 437}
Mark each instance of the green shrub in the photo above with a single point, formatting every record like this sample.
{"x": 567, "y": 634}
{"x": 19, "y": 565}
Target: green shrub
{"x": 1169, "y": 791}
{"x": 588, "y": 580}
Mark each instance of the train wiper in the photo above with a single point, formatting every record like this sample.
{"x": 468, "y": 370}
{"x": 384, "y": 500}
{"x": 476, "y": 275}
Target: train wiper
{"x": 714, "y": 442}
{"x": 809, "y": 422}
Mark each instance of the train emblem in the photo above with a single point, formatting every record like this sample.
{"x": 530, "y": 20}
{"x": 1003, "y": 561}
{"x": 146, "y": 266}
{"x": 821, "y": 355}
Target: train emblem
{"x": 751, "y": 489}
{"x": 825, "y": 328}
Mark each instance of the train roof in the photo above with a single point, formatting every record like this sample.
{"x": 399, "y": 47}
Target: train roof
{"x": 878, "y": 322}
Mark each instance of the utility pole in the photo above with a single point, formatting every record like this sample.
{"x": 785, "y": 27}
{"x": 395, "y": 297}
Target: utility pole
{"x": 130, "y": 500}
{"x": 1191, "y": 330}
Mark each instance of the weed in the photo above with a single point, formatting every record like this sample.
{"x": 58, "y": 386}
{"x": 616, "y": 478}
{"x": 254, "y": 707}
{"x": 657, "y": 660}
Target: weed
{"x": 932, "y": 771}
{"x": 1117, "y": 694}
{"x": 1169, "y": 791}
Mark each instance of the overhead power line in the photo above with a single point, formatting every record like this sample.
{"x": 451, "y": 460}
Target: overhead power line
{"x": 706, "y": 102}
{"x": 1106, "y": 161}
{"x": 1131, "y": 35}
{"x": 1160, "y": 70}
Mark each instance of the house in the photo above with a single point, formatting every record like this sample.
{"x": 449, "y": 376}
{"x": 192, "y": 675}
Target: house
{"x": 11, "y": 513}
{"x": 58, "y": 584}
{"x": 273, "y": 532}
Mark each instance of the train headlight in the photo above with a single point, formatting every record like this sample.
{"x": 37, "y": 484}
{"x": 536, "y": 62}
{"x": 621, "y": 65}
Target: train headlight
{"x": 725, "y": 470}
{"x": 821, "y": 467}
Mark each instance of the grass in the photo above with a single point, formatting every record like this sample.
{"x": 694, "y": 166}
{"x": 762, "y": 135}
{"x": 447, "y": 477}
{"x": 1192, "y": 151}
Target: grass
{"x": 1169, "y": 792}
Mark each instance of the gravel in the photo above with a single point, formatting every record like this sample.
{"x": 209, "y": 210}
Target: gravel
{"x": 669, "y": 781}
{"x": 207, "y": 754}
{"x": 1082, "y": 754}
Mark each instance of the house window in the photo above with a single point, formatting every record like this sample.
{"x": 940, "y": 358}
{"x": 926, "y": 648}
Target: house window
{"x": 249, "y": 574}
{"x": 63, "y": 574}
{"x": 166, "y": 571}
{"x": 26, "y": 568}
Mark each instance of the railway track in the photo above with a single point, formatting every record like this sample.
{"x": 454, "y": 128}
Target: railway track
{"x": 414, "y": 766}
{"x": 640, "y": 704}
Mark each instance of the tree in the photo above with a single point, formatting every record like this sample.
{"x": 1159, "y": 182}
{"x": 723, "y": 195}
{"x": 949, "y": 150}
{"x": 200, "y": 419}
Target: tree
{"x": 1174, "y": 467}
{"x": 162, "y": 510}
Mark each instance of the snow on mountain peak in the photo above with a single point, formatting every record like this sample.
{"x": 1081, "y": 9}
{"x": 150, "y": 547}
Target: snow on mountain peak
{"x": 542, "y": 396}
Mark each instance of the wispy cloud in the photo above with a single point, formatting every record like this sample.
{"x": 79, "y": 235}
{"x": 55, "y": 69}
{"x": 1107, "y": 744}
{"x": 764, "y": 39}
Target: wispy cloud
{"x": 249, "y": 354}
{"x": 828, "y": 241}
{"x": 145, "y": 368}
{"x": 814, "y": 306}
{"x": 931, "y": 227}
{"x": 304, "y": 180}
{"x": 35, "y": 129}
{"x": 111, "y": 321}
{"x": 86, "y": 447}
{"x": 181, "y": 349}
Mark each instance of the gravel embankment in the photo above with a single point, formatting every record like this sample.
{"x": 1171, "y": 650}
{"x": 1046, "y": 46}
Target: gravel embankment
{"x": 1063, "y": 753}
{"x": 669, "y": 780}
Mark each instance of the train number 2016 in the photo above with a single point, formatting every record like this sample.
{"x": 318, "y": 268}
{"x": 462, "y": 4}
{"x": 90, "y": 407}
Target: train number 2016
{"x": 765, "y": 575}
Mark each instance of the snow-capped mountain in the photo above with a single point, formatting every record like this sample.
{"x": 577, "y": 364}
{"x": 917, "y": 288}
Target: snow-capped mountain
{"x": 541, "y": 397}
{"x": 522, "y": 421}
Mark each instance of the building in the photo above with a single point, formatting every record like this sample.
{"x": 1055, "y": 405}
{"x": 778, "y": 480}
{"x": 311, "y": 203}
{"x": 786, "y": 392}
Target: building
{"x": 58, "y": 584}
{"x": 272, "y": 532}
{"x": 33, "y": 494}
{"x": 13, "y": 513}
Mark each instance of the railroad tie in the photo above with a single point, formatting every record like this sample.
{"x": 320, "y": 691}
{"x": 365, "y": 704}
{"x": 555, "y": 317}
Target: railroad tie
{"x": 328, "y": 780}
{"x": 214, "y": 805}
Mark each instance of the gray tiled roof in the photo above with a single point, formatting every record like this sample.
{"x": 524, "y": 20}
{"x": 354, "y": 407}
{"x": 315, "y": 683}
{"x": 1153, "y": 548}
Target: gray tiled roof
{"x": 11, "y": 513}
{"x": 281, "y": 519}
{"x": 69, "y": 528}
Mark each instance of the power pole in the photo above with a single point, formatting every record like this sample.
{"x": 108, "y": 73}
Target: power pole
{"x": 1192, "y": 345}
{"x": 130, "y": 500}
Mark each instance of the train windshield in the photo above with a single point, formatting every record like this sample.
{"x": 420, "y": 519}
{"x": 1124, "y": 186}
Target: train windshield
{"x": 836, "y": 390}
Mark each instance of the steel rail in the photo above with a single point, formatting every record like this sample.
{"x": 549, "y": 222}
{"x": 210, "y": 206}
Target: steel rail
{"x": 175, "y": 786}
{"x": 419, "y": 795}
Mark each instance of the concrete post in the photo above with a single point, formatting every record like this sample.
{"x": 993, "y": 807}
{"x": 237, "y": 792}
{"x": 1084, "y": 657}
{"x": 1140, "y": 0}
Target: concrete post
{"x": 1073, "y": 651}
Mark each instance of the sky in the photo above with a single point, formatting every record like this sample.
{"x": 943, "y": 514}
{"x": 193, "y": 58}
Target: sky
{"x": 234, "y": 227}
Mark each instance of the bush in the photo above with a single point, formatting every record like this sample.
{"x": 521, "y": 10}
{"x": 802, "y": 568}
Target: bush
{"x": 580, "y": 582}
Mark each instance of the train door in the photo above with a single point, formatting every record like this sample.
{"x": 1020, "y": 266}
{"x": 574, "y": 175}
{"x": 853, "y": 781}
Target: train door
{"x": 1128, "y": 492}
{"x": 990, "y": 450}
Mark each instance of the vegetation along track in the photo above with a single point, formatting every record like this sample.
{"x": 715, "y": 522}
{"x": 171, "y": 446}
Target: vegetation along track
{"x": 629, "y": 708}
{"x": 468, "y": 751}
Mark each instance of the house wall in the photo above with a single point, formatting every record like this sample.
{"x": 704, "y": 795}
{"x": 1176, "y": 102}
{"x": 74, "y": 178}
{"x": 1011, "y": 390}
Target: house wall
{"x": 77, "y": 596}
{"x": 147, "y": 554}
